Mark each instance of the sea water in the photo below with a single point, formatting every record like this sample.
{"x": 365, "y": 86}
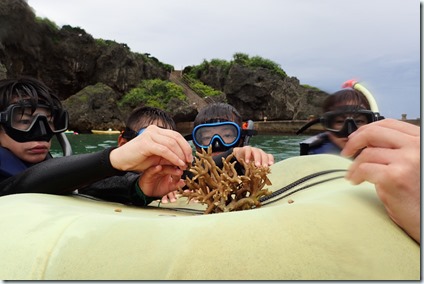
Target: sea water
{"x": 281, "y": 146}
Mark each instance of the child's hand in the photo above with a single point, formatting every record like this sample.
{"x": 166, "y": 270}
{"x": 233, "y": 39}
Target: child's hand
{"x": 161, "y": 180}
{"x": 155, "y": 146}
{"x": 248, "y": 154}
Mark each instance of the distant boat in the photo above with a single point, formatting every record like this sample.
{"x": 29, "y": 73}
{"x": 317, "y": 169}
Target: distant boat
{"x": 71, "y": 132}
{"x": 109, "y": 131}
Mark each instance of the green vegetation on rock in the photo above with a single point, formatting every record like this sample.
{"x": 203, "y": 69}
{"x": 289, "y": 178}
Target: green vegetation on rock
{"x": 47, "y": 22}
{"x": 257, "y": 61}
{"x": 201, "y": 89}
{"x": 154, "y": 93}
{"x": 238, "y": 58}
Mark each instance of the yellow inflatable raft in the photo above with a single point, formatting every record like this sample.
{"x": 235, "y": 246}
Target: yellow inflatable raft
{"x": 321, "y": 228}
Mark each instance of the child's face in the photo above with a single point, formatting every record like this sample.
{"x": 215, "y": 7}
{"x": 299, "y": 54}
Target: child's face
{"x": 221, "y": 136}
{"x": 31, "y": 152}
{"x": 339, "y": 141}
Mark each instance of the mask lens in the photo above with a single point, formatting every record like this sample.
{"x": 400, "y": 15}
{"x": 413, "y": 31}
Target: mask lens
{"x": 21, "y": 118}
{"x": 363, "y": 118}
{"x": 59, "y": 121}
{"x": 227, "y": 132}
{"x": 335, "y": 120}
{"x": 24, "y": 118}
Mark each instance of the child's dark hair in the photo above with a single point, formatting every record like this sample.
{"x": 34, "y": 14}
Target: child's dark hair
{"x": 141, "y": 117}
{"x": 345, "y": 97}
{"x": 218, "y": 112}
{"x": 27, "y": 90}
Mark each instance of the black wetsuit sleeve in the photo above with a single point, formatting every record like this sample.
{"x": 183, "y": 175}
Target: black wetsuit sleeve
{"x": 218, "y": 161}
{"x": 61, "y": 175}
{"x": 122, "y": 189}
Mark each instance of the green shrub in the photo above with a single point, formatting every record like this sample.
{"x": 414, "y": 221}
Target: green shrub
{"x": 200, "y": 88}
{"x": 103, "y": 42}
{"x": 47, "y": 22}
{"x": 238, "y": 58}
{"x": 147, "y": 58}
{"x": 258, "y": 61}
{"x": 154, "y": 93}
{"x": 310, "y": 87}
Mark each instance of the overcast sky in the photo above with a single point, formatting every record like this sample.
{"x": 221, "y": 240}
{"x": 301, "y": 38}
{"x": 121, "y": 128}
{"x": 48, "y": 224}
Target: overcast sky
{"x": 321, "y": 42}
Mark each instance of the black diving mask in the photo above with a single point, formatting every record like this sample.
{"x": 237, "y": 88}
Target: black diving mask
{"x": 24, "y": 123}
{"x": 344, "y": 120}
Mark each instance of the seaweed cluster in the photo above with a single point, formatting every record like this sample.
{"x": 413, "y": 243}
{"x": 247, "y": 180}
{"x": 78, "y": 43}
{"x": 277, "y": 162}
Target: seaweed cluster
{"x": 223, "y": 190}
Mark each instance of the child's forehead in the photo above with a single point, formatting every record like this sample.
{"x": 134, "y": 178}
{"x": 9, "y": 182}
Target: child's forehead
{"x": 219, "y": 119}
{"x": 16, "y": 99}
{"x": 143, "y": 123}
{"x": 27, "y": 100}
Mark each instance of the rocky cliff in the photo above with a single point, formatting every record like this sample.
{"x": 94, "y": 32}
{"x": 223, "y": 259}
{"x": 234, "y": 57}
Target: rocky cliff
{"x": 91, "y": 75}
{"x": 262, "y": 94}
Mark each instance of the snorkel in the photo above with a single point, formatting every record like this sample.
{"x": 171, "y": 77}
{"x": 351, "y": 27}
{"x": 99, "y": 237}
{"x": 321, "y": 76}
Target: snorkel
{"x": 355, "y": 85}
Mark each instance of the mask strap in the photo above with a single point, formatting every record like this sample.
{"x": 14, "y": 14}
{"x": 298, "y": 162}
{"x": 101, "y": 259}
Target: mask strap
{"x": 307, "y": 125}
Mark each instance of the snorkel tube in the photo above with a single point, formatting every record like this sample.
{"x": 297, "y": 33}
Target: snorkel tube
{"x": 355, "y": 85}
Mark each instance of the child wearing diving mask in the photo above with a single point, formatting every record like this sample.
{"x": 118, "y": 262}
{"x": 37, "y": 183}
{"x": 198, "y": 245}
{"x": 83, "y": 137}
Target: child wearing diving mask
{"x": 29, "y": 117}
{"x": 219, "y": 125}
{"x": 124, "y": 189}
{"x": 343, "y": 113}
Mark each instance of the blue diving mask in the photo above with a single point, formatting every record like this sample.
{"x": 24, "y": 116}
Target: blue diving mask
{"x": 129, "y": 134}
{"x": 221, "y": 135}
{"x": 24, "y": 123}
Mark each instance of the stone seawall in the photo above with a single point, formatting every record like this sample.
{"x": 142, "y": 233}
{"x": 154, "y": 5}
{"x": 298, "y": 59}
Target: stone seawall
{"x": 285, "y": 127}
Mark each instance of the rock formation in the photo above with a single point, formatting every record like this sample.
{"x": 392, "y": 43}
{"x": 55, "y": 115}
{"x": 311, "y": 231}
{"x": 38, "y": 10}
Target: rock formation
{"x": 96, "y": 73}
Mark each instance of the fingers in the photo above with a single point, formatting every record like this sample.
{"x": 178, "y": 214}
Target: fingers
{"x": 169, "y": 145}
{"x": 170, "y": 197}
{"x": 401, "y": 126}
{"x": 386, "y": 167}
{"x": 379, "y": 134}
{"x": 154, "y": 146}
{"x": 247, "y": 150}
{"x": 362, "y": 165}
{"x": 263, "y": 159}
{"x": 371, "y": 172}
{"x": 163, "y": 170}
{"x": 374, "y": 155}
{"x": 248, "y": 154}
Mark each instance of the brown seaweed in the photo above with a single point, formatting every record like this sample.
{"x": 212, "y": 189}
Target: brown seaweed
{"x": 223, "y": 190}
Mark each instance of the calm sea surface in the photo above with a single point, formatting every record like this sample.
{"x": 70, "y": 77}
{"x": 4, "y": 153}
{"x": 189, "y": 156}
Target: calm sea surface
{"x": 281, "y": 146}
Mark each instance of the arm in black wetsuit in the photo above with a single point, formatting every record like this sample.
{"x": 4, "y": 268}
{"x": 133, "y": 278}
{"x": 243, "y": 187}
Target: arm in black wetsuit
{"x": 61, "y": 175}
{"x": 123, "y": 189}
{"x": 218, "y": 161}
